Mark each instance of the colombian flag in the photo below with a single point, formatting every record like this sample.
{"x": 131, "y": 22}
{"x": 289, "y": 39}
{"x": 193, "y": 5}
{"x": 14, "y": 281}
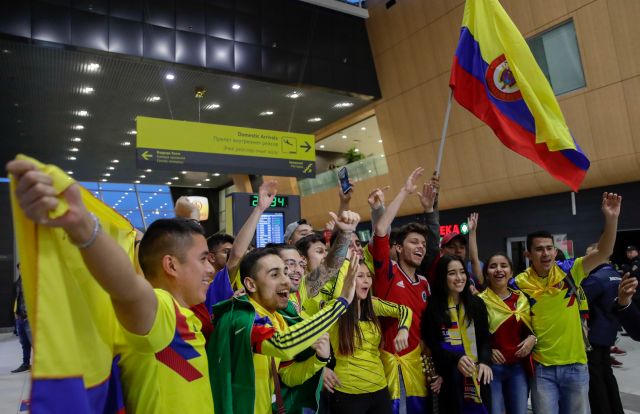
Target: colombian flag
{"x": 72, "y": 320}
{"x": 495, "y": 76}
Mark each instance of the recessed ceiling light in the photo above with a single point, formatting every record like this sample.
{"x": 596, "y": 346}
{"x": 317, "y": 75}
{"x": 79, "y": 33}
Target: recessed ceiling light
{"x": 104, "y": 180}
{"x": 111, "y": 168}
{"x": 344, "y": 137}
{"x": 86, "y": 90}
{"x": 322, "y": 146}
{"x": 369, "y": 171}
{"x": 125, "y": 143}
{"x": 143, "y": 176}
{"x": 107, "y": 174}
{"x": 70, "y": 172}
{"x": 199, "y": 184}
{"x": 71, "y": 158}
{"x": 78, "y": 127}
{"x": 364, "y": 128}
{"x": 74, "y": 149}
{"x": 266, "y": 113}
{"x": 380, "y": 141}
{"x": 115, "y": 161}
{"x": 81, "y": 112}
{"x": 168, "y": 183}
{"x": 154, "y": 98}
{"x": 216, "y": 174}
{"x": 148, "y": 170}
{"x": 155, "y": 194}
{"x": 76, "y": 139}
{"x": 6, "y": 51}
{"x": 132, "y": 132}
{"x": 315, "y": 119}
{"x": 137, "y": 181}
{"x": 92, "y": 67}
{"x": 356, "y": 150}
{"x": 381, "y": 155}
{"x": 211, "y": 106}
{"x": 343, "y": 105}
{"x": 207, "y": 179}
{"x": 294, "y": 95}
{"x": 170, "y": 76}
{"x": 175, "y": 178}
{"x": 235, "y": 86}
{"x": 183, "y": 172}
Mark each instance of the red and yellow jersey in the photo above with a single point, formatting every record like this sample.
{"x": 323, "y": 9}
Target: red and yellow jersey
{"x": 166, "y": 370}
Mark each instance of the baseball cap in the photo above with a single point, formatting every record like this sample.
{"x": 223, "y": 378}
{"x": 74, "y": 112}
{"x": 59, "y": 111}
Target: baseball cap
{"x": 288, "y": 233}
{"x": 632, "y": 247}
{"x": 450, "y": 236}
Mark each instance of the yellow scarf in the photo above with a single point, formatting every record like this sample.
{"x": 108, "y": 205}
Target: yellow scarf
{"x": 462, "y": 336}
{"x": 535, "y": 286}
{"x": 499, "y": 311}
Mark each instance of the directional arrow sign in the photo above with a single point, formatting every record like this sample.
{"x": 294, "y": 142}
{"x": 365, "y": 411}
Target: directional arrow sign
{"x": 306, "y": 146}
{"x": 147, "y": 155}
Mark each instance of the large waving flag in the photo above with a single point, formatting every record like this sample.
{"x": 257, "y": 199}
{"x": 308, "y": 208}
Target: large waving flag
{"x": 495, "y": 76}
{"x": 72, "y": 320}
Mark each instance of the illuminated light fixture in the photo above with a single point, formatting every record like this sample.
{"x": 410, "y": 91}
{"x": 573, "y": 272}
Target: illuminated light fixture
{"x": 143, "y": 176}
{"x": 294, "y": 95}
{"x": 344, "y": 137}
{"x": 71, "y": 158}
{"x": 316, "y": 119}
{"x": 381, "y": 155}
{"x": 207, "y": 179}
{"x": 74, "y": 149}
{"x": 78, "y": 127}
{"x": 175, "y": 178}
{"x": 235, "y": 86}
{"x": 356, "y": 150}
{"x": 86, "y": 90}
{"x": 6, "y": 51}
{"x": 70, "y": 172}
{"x": 107, "y": 175}
{"x": 266, "y": 113}
{"x": 170, "y": 76}
{"x": 92, "y": 67}
{"x": 111, "y": 168}
{"x": 155, "y": 194}
{"x": 154, "y": 98}
{"x": 216, "y": 174}
{"x": 380, "y": 141}
{"x": 364, "y": 128}
{"x": 76, "y": 139}
{"x": 369, "y": 171}
{"x": 81, "y": 112}
{"x": 104, "y": 180}
{"x": 183, "y": 172}
{"x": 132, "y": 132}
{"x": 199, "y": 184}
{"x": 138, "y": 182}
{"x": 343, "y": 105}
{"x": 115, "y": 161}
{"x": 125, "y": 143}
{"x": 148, "y": 170}
{"x": 211, "y": 106}
{"x": 322, "y": 146}
{"x": 168, "y": 183}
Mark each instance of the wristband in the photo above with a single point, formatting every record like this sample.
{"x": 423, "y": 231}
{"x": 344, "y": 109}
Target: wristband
{"x": 94, "y": 234}
{"x": 324, "y": 360}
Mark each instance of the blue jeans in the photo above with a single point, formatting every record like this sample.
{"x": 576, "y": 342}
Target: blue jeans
{"x": 560, "y": 389}
{"x": 24, "y": 333}
{"x": 509, "y": 389}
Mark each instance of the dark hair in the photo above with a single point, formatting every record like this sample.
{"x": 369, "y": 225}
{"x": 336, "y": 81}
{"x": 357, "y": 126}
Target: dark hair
{"x": 537, "y": 235}
{"x": 404, "y": 231}
{"x": 349, "y": 332}
{"x": 276, "y": 245}
{"x": 393, "y": 236}
{"x": 487, "y": 262}
{"x": 440, "y": 297}
{"x": 250, "y": 261}
{"x": 217, "y": 239}
{"x": 280, "y": 247}
{"x": 305, "y": 243}
{"x": 166, "y": 237}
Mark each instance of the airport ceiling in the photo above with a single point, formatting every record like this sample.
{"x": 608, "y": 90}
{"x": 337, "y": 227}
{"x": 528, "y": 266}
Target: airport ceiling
{"x": 49, "y": 92}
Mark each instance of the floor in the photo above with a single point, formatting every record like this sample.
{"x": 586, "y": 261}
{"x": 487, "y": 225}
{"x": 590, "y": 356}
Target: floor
{"x": 14, "y": 388}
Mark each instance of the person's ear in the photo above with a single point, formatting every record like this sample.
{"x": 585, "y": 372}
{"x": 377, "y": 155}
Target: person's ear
{"x": 170, "y": 265}
{"x": 250, "y": 284}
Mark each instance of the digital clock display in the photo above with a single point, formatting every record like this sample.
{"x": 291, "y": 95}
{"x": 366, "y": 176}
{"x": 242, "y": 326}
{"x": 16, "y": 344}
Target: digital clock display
{"x": 278, "y": 201}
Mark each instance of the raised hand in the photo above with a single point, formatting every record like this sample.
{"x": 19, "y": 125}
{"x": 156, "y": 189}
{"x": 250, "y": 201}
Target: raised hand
{"x": 428, "y": 196}
{"x": 472, "y": 222}
{"x": 349, "y": 285}
{"x": 345, "y": 199}
{"x": 410, "y": 185}
{"x": 611, "y": 203}
{"x": 626, "y": 289}
{"x": 266, "y": 193}
{"x": 347, "y": 221}
{"x": 376, "y": 197}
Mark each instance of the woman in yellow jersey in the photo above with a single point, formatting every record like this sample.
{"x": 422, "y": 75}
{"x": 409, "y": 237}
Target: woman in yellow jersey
{"x": 455, "y": 328}
{"x": 359, "y": 385}
{"x": 511, "y": 337}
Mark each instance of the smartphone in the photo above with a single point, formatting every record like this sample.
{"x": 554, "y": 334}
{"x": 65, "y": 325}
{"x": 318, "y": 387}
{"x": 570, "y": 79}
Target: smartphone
{"x": 343, "y": 176}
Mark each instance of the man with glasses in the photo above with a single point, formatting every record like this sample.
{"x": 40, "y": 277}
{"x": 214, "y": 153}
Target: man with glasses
{"x": 294, "y": 269}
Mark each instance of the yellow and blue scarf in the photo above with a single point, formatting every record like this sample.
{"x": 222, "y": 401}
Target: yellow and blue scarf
{"x": 499, "y": 311}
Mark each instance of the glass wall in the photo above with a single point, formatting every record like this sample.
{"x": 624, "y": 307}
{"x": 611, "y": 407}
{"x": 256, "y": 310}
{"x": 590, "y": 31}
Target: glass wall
{"x": 358, "y": 171}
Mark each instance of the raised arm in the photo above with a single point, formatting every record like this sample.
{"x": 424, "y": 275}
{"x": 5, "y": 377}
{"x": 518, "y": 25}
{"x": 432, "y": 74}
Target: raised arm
{"x": 345, "y": 199}
{"x": 266, "y": 193}
{"x": 376, "y": 203}
{"x": 392, "y": 210}
{"x": 429, "y": 198}
{"x": 611, "y": 203}
{"x": 472, "y": 222}
{"x": 346, "y": 224}
{"x": 132, "y": 296}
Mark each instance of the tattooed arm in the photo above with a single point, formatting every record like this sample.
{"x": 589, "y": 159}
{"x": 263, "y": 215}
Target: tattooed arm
{"x": 345, "y": 225}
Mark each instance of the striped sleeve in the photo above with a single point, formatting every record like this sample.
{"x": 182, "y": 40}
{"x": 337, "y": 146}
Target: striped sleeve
{"x": 296, "y": 338}
{"x": 402, "y": 313}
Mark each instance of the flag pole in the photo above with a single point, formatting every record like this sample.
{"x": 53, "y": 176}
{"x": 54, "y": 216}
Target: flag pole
{"x": 444, "y": 132}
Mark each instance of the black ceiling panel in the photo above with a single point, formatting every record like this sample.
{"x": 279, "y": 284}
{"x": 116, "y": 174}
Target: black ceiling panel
{"x": 220, "y": 23}
{"x": 159, "y": 43}
{"x": 248, "y": 6}
{"x": 321, "y": 72}
{"x": 274, "y": 63}
{"x": 89, "y": 30}
{"x": 126, "y": 9}
{"x": 248, "y": 29}
{"x": 125, "y": 36}
{"x": 93, "y": 6}
{"x": 160, "y": 13}
{"x": 50, "y": 23}
{"x": 190, "y": 16}
{"x": 191, "y": 49}
{"x": 248, "y": 59}
{"x": 220, "y": 54}
{"x": 15, "y": 19}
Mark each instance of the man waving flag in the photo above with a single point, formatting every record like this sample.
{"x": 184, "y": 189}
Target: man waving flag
{"x": 495, "y": 76}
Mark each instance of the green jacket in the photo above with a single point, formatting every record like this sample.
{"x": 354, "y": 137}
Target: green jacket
{"x": 231, "y": 368}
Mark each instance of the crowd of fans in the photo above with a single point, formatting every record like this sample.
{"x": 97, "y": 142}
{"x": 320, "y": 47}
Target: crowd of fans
{"x": 323, "y": 323}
